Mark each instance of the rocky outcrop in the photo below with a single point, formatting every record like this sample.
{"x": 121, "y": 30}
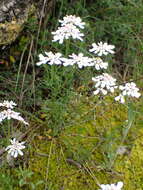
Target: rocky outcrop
{"x": 13, "y": 14}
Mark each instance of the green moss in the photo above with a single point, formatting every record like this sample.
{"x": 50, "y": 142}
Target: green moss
{"x": 131, "y": 166}
{"x": 81, "y": 154}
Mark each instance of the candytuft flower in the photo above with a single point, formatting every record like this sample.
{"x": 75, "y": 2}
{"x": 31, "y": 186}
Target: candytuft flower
{"x": 73, "y": 20}
{"x": 10, "y": 114}
{"x": 8, "y": 104}
{"x": 117, "y": 186}
{"x": 66, "y": 32}
{"x": 102, "y": 48}
{"x": 81, "y": 60}
{"x": 69, "y": 29}
{"x": 120, "y": 98}
{"x": 15, "y": 148}
{"x": 130, "y": 89}
{"x": 99, "y": 64}
{"x": 50, "y": 59}
{"x": 104, "y": 83}
{"x": 98, "y": 90}
{"x": 67, "y": 62}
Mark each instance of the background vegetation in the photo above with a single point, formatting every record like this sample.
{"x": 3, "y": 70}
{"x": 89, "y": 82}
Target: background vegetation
{"x": 74, "y": 138}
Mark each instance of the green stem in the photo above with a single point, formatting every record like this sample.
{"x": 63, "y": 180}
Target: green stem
{"x": 67, "y": 47}
{"x": 131, "y": 118}
{"x": 9, "y": 130}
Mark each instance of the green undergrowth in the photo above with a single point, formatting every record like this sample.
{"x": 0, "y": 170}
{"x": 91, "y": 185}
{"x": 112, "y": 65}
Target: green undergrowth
{"x": 85, "y": 153}
{"x": 76, "y": 141}
{"x": 131, "y": 166}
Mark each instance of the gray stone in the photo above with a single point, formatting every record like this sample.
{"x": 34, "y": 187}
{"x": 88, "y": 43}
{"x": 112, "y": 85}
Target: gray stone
{"x": 13, "y": 14}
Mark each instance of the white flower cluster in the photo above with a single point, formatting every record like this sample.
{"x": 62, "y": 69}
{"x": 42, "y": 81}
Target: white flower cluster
{"x": 8, "y": 104}
{"x": 80, "y": 60}
{"x": 130, "y": 90}
{"x": 120, "y": 98}
{"x": 73, "y": 20}
{"x": 50, "y": 58}
{"x": 102, "y": 48}
{"x": 9, "y": 113}
{"x": 69, "y": 28}
{"x": 83, "y": 61}
{"x": 117, "y": 186}
{"x": 104, "y": 83}
{"x": 99, "y": 64}
{"x": 15, "y": 148}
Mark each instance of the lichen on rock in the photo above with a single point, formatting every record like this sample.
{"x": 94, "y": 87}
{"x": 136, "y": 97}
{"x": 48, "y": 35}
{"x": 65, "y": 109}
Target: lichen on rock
{"x": 13, "y": 14}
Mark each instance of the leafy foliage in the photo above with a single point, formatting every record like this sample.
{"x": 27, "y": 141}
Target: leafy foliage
{"x": 68, "y": 122}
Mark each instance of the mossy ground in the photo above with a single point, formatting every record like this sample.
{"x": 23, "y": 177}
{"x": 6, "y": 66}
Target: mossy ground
{"x": 131, "y": 165}
{"x": 84, "y": 152}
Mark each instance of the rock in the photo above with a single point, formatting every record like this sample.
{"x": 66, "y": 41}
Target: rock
{"x": 13, "y": 14}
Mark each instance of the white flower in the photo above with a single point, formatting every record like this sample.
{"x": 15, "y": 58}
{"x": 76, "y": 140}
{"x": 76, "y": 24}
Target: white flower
{"x": 15, "y": 148}
{"x": 99, "y": 64}
{"x": 98, "y": 90}
{"x": 8, "y": 104}
{"x": 43, "y": 60}
{"x": 81, "y": 60}
{"x": 50, "y": 59}
{"x": 130, "y": 89}
{"x": 73, "y": 20}
{"x": 120, "y": 98}
{"x": 67, "y": 62}
{"x": 106, "y": 82}
{"x": 10, "y": 114}
{"x": 117, "y": 186}
{"x": 2, "y": 116}
{"x": 102, "y": 48}
{"x": 84, "y": 61}
{"x": 65, "y": 32}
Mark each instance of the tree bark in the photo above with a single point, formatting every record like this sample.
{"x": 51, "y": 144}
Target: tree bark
{"x": 13, "y": 14}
